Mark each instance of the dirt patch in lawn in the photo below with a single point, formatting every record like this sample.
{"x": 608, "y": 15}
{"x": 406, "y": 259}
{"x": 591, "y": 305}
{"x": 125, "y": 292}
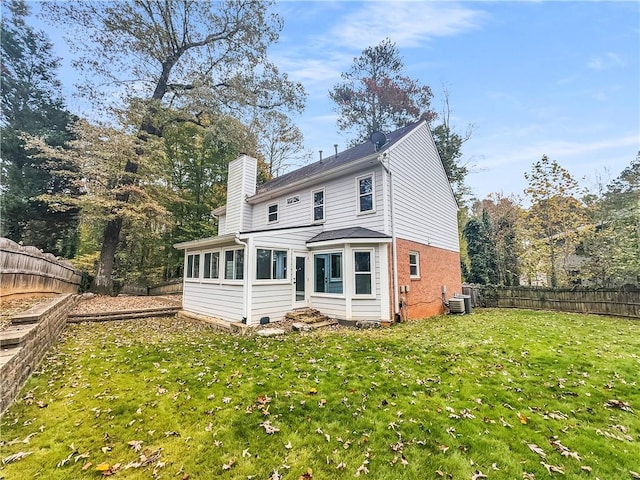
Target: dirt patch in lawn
{"x": 103, "y": 303}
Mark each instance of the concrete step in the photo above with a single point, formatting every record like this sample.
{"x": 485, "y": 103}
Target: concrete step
{"x": 122, "y": 315}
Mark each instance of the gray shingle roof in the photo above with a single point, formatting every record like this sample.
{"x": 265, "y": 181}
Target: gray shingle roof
{"x": 329, "y": 163}
{"x": 347, "y": 234}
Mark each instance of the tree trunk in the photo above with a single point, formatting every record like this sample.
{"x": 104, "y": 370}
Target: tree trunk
{"x": 103, "y": 281}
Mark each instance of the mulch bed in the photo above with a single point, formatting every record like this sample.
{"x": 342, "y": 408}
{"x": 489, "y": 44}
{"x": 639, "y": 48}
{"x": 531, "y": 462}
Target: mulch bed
{"x": 102, "y": 303}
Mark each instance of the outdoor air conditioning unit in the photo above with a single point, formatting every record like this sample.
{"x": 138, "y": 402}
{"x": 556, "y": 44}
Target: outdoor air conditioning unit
{"x": 456, "y": 305}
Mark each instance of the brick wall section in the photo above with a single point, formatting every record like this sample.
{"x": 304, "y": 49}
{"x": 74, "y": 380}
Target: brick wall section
{"x": 17, "y": 363}
{"x": 438, "y": 267}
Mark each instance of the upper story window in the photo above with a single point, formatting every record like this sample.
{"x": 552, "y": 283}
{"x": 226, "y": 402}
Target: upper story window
{"x": 272, "y": 213}
{"x": 234, "y": 264}
{"x": 414, "y": 264}
{"x": 193, "y": 266}
{"x": 365, "y": 194}
{"x": 318, "y": 205}
{"x": 293, "y": 200}
{"x": 271, "y": 264}
{"x": 211, "y": 265}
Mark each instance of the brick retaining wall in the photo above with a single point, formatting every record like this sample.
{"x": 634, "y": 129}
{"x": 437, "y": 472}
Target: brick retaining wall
{"x": 24, "y": 344}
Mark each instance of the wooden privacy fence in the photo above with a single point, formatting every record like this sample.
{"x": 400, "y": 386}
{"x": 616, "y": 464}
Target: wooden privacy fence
{"x": 166, "y": 288}
{"x": 26, "y": 270}
{"x": 618, "y": 302}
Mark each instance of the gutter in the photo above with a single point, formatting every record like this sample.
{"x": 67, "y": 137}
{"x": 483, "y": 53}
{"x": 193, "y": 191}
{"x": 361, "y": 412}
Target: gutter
{"x": 246, "y": 287}
{"x": 394, "y": 247}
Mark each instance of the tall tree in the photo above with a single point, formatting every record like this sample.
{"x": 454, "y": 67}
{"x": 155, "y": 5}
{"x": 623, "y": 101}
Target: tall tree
{"x": 376, "y": 95}
{"x": 31, "y": 105}
{"x": 505, "y": 235}
{"x": 197, "y": 161}
{"x": 449, "y": 144}
{"x": 481, "y": 249}
{"x": 280, "y": 142}
{"x": 189, "y": 55}
{"x": 554, "y": 218}
{"x": 612, "y": 247}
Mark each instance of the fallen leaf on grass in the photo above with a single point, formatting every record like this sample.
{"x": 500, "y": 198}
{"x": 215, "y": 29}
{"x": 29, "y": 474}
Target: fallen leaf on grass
{"x": 135, "y": 444}
{"x": 585, "y": 468}
{"x": 536, "y": 449}
{"x": 229, "y": 464}
{"x": 268, "y": 428}
{"x": 523, "y": 418}
{"x": 634, "y": 474}
{"x": 478, "y": 475}
{"x": 619, "y": 404}
{"x": 15, "y": 457}
{"x": 553, "y": 468}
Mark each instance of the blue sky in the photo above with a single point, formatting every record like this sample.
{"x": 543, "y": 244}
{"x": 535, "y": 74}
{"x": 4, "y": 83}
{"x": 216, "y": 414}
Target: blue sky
{"x": 534, "y": 78}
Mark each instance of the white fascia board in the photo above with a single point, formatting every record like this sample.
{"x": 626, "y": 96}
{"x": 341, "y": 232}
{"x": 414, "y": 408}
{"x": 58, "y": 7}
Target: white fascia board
{"x": 347, "y": 241}
{"x": 318, "y": 178}
{"x": 205, "y": 242}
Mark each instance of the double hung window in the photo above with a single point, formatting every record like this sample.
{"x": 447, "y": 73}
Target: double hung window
{"x": 272, "y": 213}
{"x": 362, "y": 270}
{"x": 414, "y": 264}
{"x": 365, "y": 194}
{"x": 318, "y": 205}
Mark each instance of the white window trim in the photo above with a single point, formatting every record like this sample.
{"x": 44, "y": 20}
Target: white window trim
{"x": 324, "y": 205}
{"x": 417, "y": 254}
{"x": 372, "y": 266}
{"x": 295, "y": 199}
{"x": 313, "y": 273}
{"x": 186, "y": 267}
{"x": 271, "y": 281}
{"x": 373, "y": 193}
{"x": 220, "y": 262}
{"x": 223, "y": 267}
{"x": 277, "y": 205}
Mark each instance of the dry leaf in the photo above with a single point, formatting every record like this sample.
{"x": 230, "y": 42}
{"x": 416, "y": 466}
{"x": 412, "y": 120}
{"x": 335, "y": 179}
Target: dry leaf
{"x": 478, "y": 475}
{"x": 523, "y": 419}
{"x": 634, "y": 474}
{"x": 536, "y": 449}
{"x": 553, "y": 468}
{"x": 229, "y": 464}
{"x": 15, "y": 457}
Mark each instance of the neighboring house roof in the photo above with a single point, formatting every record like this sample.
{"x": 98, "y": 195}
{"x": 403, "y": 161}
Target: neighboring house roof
{"x": 329, "y": 163}
{"x": 346, "y": 234}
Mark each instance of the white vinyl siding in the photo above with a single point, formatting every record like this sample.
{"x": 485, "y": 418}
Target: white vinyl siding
{"x": 340, "y": 205}
{"x": 271, "y": 300}
{"x": 241, "y": 183}
{"x": 425, "y": 210}
{"x": 221, "y": 301}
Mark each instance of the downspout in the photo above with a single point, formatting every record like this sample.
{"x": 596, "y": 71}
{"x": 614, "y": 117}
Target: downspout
{"x": 246, "y": 285}
{"x": 394, "y": 277}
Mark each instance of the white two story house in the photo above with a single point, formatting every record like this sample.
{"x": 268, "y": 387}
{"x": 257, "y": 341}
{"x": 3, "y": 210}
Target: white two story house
{"x": 369, "y": 233}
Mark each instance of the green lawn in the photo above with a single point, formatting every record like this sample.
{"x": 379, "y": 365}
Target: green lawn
{"x": 511, "y": 394}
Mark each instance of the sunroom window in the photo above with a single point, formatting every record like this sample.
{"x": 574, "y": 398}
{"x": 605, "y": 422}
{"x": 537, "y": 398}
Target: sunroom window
{"x": 234, "y": 264}
{"x": 193, "y": 266}
{"x": 271, "y": 264}
{"x": 211, "y": 265}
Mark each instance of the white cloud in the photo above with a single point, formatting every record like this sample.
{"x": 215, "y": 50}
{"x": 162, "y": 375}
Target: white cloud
{"x": 408, "y": 24}
{"x": 606, "y": 61}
